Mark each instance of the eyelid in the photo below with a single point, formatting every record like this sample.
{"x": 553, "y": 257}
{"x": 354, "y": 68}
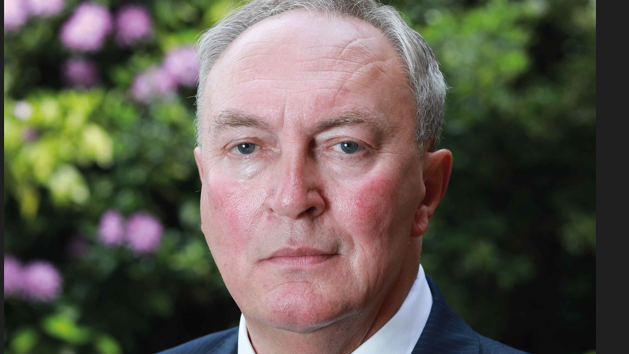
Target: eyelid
{"x": 233, "y": 147}
{"x": 362, "y": 147}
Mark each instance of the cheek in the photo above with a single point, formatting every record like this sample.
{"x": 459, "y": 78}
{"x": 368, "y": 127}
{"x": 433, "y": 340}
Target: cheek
{"x": 369, "y": 213}
{"x": 367, "y": 209}
{"x": 231, "y": 211}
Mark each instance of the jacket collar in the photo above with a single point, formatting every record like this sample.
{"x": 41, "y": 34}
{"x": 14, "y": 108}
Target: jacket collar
{"x": 445, "y": 332}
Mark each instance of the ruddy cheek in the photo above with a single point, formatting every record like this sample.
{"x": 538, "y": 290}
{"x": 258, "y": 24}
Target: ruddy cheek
{"x": 368, "y": 206}
{"x": 235, "y": 209}
{"x": 224, "y": 214}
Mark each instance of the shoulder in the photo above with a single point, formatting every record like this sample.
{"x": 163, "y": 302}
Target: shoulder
{"x": 224, "y": 342}
{"x": 445, "y": 332}
{"x": 490, "y": 346}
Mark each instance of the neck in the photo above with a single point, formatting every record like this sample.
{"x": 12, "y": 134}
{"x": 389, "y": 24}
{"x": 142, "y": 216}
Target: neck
{"x": 345, "y": 335}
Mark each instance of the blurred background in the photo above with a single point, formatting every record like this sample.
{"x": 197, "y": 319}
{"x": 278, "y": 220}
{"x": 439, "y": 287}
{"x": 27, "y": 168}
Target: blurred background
{"x": 103, "y": 251}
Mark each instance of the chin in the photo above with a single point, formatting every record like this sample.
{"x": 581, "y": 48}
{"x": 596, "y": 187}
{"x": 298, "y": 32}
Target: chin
{"x": 300, "y": 321}
{"x": 303, "y": 311}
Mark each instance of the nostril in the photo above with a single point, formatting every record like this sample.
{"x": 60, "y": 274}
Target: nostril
{"x": 310, "y": 210}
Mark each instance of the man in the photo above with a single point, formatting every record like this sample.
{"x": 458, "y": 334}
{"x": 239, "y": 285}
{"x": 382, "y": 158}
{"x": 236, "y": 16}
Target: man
{"x": 318, "y": 123}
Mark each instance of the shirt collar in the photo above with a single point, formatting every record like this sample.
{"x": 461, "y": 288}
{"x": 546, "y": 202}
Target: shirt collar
{"x": 399, "y": 335}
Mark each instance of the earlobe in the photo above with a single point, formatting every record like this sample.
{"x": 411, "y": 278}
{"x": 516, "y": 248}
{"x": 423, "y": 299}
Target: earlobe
{"x": 420, "y": 221}
{"x": 198, "y": 158}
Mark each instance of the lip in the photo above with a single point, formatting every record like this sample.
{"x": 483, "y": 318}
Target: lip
{"x": 299, "y": 257}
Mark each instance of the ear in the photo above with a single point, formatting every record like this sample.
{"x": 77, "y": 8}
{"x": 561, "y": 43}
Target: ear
{"x": 198, "y": 158}
{"x": 436, "y": 175}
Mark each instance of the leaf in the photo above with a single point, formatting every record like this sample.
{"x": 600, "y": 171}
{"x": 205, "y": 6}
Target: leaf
{"x": 24, "y": 340}
{"x": 216, "y": 12}
{"x": 107, "y": 345}
{"x": 28, "y": 197}
{"x": 98, "y": 144}
{"x": 578, "y": 235}
{"x": 62, "y": 327}
{"x": 67, "y": 183}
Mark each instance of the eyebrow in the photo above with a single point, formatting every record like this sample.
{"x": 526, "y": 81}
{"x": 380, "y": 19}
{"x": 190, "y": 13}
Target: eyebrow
{"x": 233, "y": 119}
{"x": 353, "y": 117}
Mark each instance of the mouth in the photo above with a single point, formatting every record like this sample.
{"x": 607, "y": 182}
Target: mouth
{"x": 299, "y": 257}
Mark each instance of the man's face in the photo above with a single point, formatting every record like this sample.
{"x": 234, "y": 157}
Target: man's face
{"x": 311, "y": 175}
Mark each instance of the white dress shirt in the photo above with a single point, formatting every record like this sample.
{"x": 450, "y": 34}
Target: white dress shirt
{"x": 398, "y": 336}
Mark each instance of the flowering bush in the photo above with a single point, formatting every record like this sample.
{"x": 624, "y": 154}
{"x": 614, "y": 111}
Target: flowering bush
{"x": 152, "y": 84}
{"x": 111, "y": 228}
{"x": 38, "y": 281}
{"x": 41, "y": 281}
{"x": 133, "y": 24}
{"x": 44, "y": 8}
{"x": 87, "y": 28}
{"x": 182, "y": 64}
{"x": 12, "y": 276}
{"x": 100, "y": 179}
{"x": 80, "y": 72}
{"x": 144, "y": 233}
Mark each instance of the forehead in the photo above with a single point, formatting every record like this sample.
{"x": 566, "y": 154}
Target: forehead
{"x": 299, "y": 63}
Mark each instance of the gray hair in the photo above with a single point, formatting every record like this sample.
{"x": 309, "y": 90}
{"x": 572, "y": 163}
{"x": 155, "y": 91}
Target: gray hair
{"x": 426, "y": 81}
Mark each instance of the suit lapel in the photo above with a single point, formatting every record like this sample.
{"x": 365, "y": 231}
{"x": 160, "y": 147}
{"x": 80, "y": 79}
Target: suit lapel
{"x": 445, "y": 332}
{"x": 228, "y": 346}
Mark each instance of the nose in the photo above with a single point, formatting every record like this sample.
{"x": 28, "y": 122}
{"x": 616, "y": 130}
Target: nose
{"x": 297, "y": 188}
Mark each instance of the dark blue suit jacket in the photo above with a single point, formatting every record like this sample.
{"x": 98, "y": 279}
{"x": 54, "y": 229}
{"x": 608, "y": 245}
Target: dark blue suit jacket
{"x": 444, "y": 333}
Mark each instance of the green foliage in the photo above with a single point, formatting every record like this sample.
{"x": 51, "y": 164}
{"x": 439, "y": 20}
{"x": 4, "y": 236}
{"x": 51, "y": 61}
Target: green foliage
{"x": 512, "y": 246}
{"x": 67, "y": 139}
{"x": 24, "y": 340}
{"x": 107, "y": 345}
{"x": 519, "y": 214}
{"x": 63, "y": 327}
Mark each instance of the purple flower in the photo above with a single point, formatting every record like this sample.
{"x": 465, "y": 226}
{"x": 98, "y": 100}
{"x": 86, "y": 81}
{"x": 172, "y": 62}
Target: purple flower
{"x": 132, "y": 24}
{"x": 42, "y": 281}
{"x": 152, "y": 84}
{"x": 183, "y": 65}
{"x": 15, "y": 14}
{"x": 13, "y": 275}
{"x": 111, "y": 228}
{"x": 87, "y": 28}
{"x": 144, "y": 233}
{"x": 141, "y": 88}
{"x": 44, "y": 8}
{"x": 79, "y": 72}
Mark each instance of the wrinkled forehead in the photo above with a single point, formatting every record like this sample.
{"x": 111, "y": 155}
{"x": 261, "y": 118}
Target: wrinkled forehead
{"x": 304, "y": 44}
{"x": 330, "y": 35}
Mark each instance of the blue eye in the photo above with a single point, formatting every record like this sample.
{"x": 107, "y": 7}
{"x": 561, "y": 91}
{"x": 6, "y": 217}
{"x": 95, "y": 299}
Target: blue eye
{"x": 246, "y": 148}
{"x": 349, "y": 147}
